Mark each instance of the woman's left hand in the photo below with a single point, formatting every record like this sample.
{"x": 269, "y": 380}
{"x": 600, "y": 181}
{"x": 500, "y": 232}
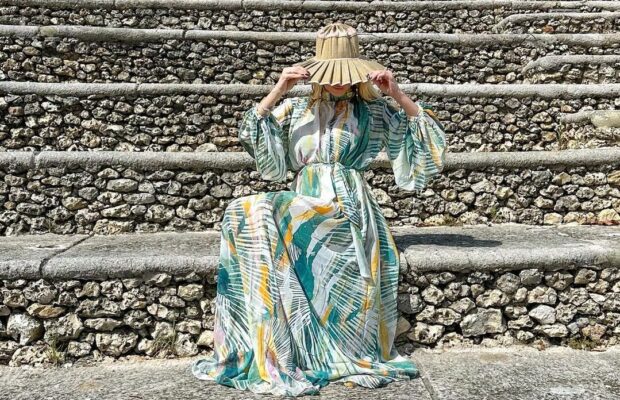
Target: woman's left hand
{"x": 384, "y": 80}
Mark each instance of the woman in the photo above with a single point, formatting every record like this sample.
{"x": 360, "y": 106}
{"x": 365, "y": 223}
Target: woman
{"x": 307, "y": 280}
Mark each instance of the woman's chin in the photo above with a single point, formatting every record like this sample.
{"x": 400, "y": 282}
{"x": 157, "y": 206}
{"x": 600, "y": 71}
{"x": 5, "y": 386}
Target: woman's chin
{"x": 338, "y": 89}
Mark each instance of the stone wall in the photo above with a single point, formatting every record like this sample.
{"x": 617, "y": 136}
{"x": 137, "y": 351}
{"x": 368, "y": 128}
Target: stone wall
{"x": 549, "y": 24}
{"x": 43, "y": 321}
{"x": 190, "y": 122}
{"x": 567, "y": 73}
{"x": 579, "y": 136}
{"x": 202, "y": 57}
{"x": 208, "y": 122}
{"x": 428, "y": 19}
{"x": 107, "y": 198}
{"x": 579, "y": 308}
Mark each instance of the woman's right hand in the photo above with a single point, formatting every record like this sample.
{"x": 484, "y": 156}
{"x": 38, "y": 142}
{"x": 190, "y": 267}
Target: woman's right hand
{"x": 289, "y": 77}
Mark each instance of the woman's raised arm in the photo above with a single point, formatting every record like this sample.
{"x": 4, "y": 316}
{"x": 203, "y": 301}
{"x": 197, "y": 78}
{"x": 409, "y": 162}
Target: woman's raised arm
{"x": 263, "y": 131}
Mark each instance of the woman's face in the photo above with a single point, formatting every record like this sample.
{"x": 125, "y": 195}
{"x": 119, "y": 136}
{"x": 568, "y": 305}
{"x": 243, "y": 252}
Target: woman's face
{"x": 337, "y": 90}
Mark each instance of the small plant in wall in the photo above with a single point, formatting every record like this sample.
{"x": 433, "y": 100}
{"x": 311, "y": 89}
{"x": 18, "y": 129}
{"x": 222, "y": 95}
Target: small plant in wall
{"x": 164, "y": 343}
{"x": 55, "y": 352}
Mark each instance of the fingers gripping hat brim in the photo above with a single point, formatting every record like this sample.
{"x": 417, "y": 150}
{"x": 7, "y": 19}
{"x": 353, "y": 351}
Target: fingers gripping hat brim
{"x": 339, "y": 70}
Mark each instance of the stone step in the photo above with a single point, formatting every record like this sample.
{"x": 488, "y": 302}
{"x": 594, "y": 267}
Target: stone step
{"x": 110, "y": 192}
{"x": 205, "y": 117}
{"x": 457, "y": 249}
{"x": 83, "y": 297}
{"x": 518, "y": 373}
{"x": 590, "y": 129}
{"x": 559, "y": 22}
{"x": 376, "y": 16}
{"x": 200, "y": 56}
{"x": 571, "y": 69}
{"x": 598, "y": 118}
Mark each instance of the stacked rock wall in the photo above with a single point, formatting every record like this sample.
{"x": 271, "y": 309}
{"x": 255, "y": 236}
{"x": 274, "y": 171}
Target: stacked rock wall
{"x": 577, "y": 308}
{"x": 46, "y": 321}
{"x": 208, "y": 122}
{"x": 205, "y": 57}
{"x": 567, "y": 23}
{"x": 591, "y": 73}
{"x": 109, "y": 197}
{"x": 278, "y": 16}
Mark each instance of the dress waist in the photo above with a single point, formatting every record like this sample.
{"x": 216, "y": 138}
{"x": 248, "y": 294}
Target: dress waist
{"x": 343, "y": 182}
{"x": 333, "y": 164}
{"x": 347, "y": 188}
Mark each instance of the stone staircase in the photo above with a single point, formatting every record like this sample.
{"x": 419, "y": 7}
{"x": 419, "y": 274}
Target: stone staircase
{"x": 119, "y": 155}
{"x": 109, "y": 295}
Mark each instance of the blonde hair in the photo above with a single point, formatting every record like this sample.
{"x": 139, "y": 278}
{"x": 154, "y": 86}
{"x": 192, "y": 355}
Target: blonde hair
{"x": 365, "y": 90}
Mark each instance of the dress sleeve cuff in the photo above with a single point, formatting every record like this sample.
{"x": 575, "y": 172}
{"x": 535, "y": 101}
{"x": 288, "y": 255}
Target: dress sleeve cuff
{"x": 416, "y": 118}
{"x": 256, "y": 113}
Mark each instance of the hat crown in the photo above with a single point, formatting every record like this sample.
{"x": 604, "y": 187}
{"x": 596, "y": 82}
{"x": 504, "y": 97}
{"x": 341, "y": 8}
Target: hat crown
{"x": 337, "y": 40}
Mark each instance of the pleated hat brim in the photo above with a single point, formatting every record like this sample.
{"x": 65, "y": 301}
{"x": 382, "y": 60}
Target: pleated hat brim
{"x": 339, "y": 70}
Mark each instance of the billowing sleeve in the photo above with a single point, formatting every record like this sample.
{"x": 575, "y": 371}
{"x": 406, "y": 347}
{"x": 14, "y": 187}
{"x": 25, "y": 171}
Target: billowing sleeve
{"x": 416, "y": 146}
{"x": 266, "y": 139}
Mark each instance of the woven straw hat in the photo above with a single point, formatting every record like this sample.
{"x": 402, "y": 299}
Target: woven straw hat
{"x": 337, "y": 59}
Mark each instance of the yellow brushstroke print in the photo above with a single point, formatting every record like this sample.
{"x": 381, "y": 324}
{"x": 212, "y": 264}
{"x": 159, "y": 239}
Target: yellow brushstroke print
{"x": 328, "y": 310}
{"x": 436, "y": 155}
{"x": 374, "y": 261}
{"x": 288, "y": 235}
{"x": 320, "y": 209}
{"x": 247, "y": 206}
{"x": 260, "y": 349}
{"x": 263, "y": 288}
{"x": 366, "y": 303}
{"x": 383, "y": 338}
{"x": 323, "y": 209}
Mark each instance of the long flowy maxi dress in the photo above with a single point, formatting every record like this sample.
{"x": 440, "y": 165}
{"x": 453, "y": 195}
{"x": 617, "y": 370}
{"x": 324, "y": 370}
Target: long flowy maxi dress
{"x": 307, "y": 278}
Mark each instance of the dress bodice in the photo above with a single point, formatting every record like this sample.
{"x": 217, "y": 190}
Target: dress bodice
{"x": 348, "y": 130}
{"x": 327, "y": 131}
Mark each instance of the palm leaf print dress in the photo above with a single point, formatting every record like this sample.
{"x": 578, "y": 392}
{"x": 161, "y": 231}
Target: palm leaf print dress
{"x": 307, "y": 278}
